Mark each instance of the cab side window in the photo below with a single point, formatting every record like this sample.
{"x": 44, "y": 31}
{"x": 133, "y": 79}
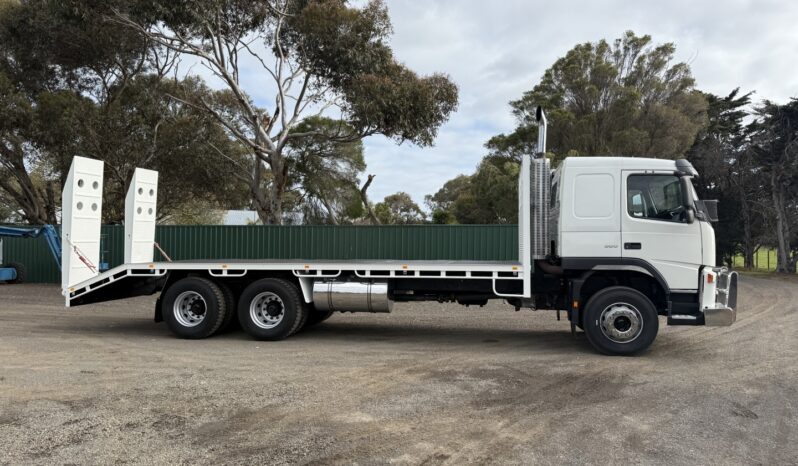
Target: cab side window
{"x": 655, "y": 197}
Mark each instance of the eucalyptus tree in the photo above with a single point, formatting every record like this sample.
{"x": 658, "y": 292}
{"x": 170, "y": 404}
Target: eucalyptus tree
{"x": 313, "y": 58}
{"x": 74, "y": 83}
{"x": 324, "y": 174}
{"x": 625, "y": 98}
{"x": 488, "y": 196}
{"x": 399, "y": 208}
{"x": 57, "y": 63}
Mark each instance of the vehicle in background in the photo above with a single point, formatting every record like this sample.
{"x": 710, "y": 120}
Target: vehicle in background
{"x": 15, "y": 272}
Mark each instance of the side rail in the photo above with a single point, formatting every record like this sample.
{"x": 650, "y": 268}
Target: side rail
{"x": 118, "y": 283}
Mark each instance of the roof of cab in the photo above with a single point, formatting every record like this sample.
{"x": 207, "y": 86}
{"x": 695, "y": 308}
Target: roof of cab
{"x": 624, "y": 163}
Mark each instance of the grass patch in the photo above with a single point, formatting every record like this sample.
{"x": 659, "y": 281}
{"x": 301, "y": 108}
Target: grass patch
{"x": 764, "y": 261}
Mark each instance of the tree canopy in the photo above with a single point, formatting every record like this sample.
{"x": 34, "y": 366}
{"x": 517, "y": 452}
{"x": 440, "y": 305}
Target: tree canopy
{"x": 488, "y": 196}
{"x": 399, "y": 208}
{"x": 626, "y": 98}
{"x": 774, "y": 147}
{"x": 318, "y": 56}
{"x": 72, "y": 84}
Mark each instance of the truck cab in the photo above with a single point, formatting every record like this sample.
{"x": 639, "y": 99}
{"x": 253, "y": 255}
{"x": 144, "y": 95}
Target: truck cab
{"x": 636, "y": 226}
{"x": 631, "y": 208}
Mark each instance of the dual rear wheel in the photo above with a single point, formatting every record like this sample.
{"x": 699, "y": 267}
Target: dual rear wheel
{"x": 267, "y": 309}
{"x": 194, "y": 307}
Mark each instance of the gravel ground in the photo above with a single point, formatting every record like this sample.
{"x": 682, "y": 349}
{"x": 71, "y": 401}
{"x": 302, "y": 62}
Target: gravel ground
{"x": 427, "y": 384}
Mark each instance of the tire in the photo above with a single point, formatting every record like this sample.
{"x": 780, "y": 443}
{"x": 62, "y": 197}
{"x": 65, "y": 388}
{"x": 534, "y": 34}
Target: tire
{"x": 316, "y": 317}
{"x": 22, "y": 274}
{"x": 194, "y": 308}
{"x": 271, "y": 309}
{"x": 306, "y": 310}
{"x": 230, "y": 317}
{"x": 620, "y": 321}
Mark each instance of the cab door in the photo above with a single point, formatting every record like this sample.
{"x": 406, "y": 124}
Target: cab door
{"x": 654, "y": 227}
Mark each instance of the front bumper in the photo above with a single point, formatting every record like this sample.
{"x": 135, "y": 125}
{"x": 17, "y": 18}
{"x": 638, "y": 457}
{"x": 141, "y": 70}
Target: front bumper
{"x": 719, "y": 296}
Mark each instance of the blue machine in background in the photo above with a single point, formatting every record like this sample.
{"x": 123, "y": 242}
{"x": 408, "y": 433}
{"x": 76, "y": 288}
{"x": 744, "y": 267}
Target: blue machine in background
{"x": 15, "y": 272}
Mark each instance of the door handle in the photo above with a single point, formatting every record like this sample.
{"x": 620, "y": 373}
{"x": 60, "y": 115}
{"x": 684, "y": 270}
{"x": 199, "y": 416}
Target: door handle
{"x": 632, "y": 246}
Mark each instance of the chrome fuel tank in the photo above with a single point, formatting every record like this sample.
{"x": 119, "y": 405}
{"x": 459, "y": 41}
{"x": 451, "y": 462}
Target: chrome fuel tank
{"x": 351, "y": 297}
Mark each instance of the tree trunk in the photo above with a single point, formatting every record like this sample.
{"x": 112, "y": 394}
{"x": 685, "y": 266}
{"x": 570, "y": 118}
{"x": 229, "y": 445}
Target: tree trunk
{"x": 748, "y": 256}
{"x": 277, "y": 188}
{"x": 364, "y": 197}
{"x": 330, "y": 211}
{"x": 32, "y": 202}
{"x": 268, "y": 202}
{"x": 748, "y": 240}
{"x": 783, "y": 249}
{"x": 259, "y": 201}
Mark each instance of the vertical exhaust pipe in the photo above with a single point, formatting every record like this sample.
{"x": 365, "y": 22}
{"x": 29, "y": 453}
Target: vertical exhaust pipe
{"x": 541, "y": 192}
{"x": 534, "y": 184}
{"x": 543, "y": 124}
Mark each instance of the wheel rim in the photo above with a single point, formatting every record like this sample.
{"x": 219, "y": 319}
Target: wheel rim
{"x": 621, "y": 323}
{"x": 267, "y": 310}
{"x": 190, "y": 309}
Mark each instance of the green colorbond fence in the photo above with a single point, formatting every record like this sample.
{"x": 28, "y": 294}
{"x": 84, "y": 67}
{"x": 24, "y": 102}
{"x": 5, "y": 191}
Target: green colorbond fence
{"x": 412, "y": 242}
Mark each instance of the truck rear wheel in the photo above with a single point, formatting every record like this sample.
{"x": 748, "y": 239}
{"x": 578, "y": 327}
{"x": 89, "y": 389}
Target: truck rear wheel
{"x": 194, "y": 308}
{"x": 230, "y": 301}
{"x": 271, "y": 309}
{"x": 620, "y": 321}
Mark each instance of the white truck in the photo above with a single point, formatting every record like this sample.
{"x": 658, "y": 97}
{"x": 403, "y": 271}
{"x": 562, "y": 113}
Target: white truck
{"x": 613, "y": 242}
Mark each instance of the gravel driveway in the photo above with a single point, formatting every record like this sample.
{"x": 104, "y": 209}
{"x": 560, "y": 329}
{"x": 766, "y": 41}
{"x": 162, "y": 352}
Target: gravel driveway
{"x": 427, "y": 384}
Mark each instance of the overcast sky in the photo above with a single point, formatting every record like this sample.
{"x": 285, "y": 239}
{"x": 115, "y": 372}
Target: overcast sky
{"x": 495, "y": 51}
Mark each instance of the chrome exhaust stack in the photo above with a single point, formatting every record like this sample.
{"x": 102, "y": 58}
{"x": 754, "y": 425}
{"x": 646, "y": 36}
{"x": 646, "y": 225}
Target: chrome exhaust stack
{"x": 540, "y": 194}
{"x": 543, "y": 126}
{"x": 351, "y": 296}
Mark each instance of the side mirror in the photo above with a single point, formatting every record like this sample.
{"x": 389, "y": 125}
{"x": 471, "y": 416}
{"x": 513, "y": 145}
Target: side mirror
{"x": 708, "y": 210}
{"x": 687, "y": 200}
{"x": 689, "y": 215}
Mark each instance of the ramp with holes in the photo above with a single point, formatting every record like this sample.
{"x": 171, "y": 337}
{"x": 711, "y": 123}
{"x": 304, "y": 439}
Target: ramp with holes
{"x": 140, "y": 215}
{"x": 80, "y": 222}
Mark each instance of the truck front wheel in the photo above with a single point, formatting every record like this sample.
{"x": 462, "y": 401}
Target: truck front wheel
{"x": 194, "y": 307}
{"x": 271, "y": 309}
{"x": 620, "y": 321}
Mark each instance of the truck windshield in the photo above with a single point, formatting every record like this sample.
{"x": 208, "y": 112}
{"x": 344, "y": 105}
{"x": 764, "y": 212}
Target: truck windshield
{"x": 656, "y": 197}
